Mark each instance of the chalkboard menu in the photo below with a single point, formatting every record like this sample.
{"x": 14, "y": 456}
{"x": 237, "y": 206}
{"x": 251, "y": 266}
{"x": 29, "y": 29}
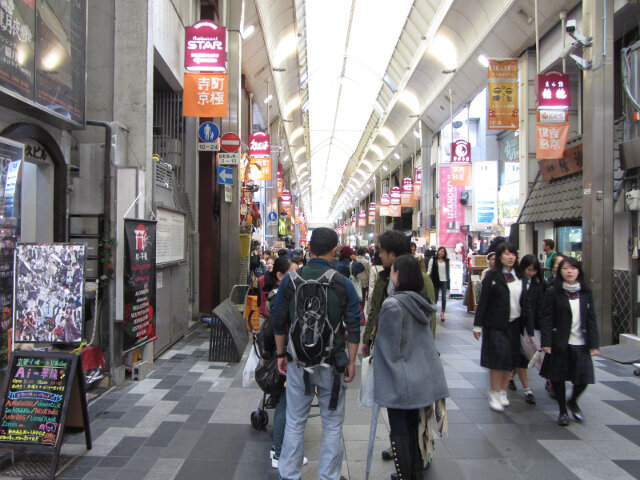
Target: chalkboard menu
{"x": 44, "y": 393}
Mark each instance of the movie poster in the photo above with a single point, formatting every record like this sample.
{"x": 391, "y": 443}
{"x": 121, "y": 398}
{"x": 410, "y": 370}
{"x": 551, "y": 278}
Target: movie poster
{"x": 48, "y": 292}
{"x": 139, "y": 322}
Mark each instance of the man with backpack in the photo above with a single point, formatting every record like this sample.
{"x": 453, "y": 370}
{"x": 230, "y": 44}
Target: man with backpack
{"x": 318, "y": 305}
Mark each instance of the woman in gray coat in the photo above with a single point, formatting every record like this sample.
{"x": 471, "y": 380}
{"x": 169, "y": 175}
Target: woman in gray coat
{"x": 408, "y": 374}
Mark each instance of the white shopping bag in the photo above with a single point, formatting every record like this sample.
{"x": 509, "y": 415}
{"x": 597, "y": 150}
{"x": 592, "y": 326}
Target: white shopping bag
{"x": 366, "y": 383}
{"x": 249, "y": 372}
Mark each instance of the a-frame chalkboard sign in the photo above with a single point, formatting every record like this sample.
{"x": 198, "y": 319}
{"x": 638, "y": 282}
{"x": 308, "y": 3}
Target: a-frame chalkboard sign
{"x": 44, "y": 395}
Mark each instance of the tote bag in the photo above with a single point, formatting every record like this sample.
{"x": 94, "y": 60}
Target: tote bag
{"x": 366, "y": 383}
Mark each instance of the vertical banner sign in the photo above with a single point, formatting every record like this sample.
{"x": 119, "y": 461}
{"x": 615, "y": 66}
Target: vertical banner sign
{"x": 461, "y": 163}
{"x": 353, "y": 221}
{"x": 280, "y": 181}
{"x": 11, "y": 156}
{"x": 139, "y": 323}
{"x": 362, "y": 219}
{"x": 205, "y": 47}
{"x": 372, "y": 213}
{"x": 551, "y": 140}
{"x": 406, "y": 197}
{"x": 205, "y": 95}
{"x": 260, "y": 154}
{"x": 395, "y": 209}
{"x": 417, "y": 183}
{"x": 385, "y": 202}
{"x": 451, "y": 211}
{"x": 503, "y": 95}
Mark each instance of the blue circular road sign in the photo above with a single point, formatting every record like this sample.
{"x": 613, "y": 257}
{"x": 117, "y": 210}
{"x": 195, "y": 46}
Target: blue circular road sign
{"x": 208, "y": 132}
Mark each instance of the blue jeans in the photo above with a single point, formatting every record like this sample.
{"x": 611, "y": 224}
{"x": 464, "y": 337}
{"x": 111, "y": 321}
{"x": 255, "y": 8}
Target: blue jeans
{"x": 442, "y": 289}
{"x": 298, "y": 405}
{"x": 279, "y": 422}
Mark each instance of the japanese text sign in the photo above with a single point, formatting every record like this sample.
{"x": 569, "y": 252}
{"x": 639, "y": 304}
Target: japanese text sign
{"x": 395, "y": 196}
{"x": 503, "y": 95}
{"x": 385, "y": 199}
{"x": 259, "y": 144}
{"x": 460, "y": 175}
{"x": 451, "y": 211}
{"x": 260, "y": 168}
{"x": 551, "y": 140}
{"x": 553, "y": 89}
{"x": 407, "y": 193}
{"x": 205, "y": 95}
{"x": 569, "y": 164}
{"x": 362, "y": 218}
{"x": 205, "y": 47}
{"x": 286, "y": 198}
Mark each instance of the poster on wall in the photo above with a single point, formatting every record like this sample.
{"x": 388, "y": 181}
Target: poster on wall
{"x": 139, "y": 320}
{"x": 503, "y": 95}
{"x": 451, "y": 210}
{"x": 18, "y": 46}
{"x": 485, "y": 192}
{"x": 11, "y": 157}
{"x": 48, "y": 292}
{"x": 508, "y": 204}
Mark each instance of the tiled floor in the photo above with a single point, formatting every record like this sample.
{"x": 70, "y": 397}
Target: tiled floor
{"x": 190, "y": 420}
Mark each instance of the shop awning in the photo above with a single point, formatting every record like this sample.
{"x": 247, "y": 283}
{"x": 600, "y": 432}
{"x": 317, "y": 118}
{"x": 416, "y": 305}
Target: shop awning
{"x": 553, "y": 201}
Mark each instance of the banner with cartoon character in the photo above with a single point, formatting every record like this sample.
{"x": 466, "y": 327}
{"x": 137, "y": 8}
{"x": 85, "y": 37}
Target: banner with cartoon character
{"x": 139, "y": 319}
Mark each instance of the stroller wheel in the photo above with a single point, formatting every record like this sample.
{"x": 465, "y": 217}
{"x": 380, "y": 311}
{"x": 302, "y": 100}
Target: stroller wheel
{"x": 255, "y": 419}
{"x": 264, "y": 419}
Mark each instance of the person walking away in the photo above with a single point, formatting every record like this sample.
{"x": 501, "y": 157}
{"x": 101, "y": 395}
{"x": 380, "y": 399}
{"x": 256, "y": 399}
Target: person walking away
{"x": 418, "y": 256}
{"x": 534, "y": 285}
{"x": 392, "y": 245}
{"x": 497, "y": 320}
{"x": 548, "y": 247}
{"x": 262, "y": 293}
{"x": 439, "y": 272}
{"x": 569, "y": 337}
{"x": 364, "y": 275}
{"x": 318, "y": 287}
{"x": 408, "y": 374}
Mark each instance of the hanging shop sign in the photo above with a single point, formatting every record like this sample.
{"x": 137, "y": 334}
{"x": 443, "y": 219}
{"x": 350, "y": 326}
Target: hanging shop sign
{"x": 570, "y": 163}
{"x": 552, "y": 88}
{"x": 205, "y": 95}
{"x": 406, "y": 196}
{"x": 485, "y": 192}
{"x": 139, "y": 322}
{"x": 362, "y": 219}
{"x": 286, "y": 198}
{"x": 259, "y": 144}
{"x": 205, "y": 47}
{"x": 503, "y": 95}
{"x": 280, "y": 181}
{"x": 551, "y": 140}
{"x": 372, "y": 213}
{"x": 49, "y": 292}
{"x": 396, "y": 196}
{"x": 260, "y": 168}
{"x": 451, "y": 210}
{"x": 353, "y": 221}
{"x": 553, "y": 115}
{"x": 385, "y": 199}
{"x": 417, "y": 183}
{"x": 461, "y": 163}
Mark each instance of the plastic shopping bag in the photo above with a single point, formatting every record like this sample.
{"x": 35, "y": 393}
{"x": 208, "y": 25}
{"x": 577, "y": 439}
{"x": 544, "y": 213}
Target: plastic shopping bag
{"x": 366, "y": 383}
{"x": 250, "y": 368}
{"x": 530, "y": 345}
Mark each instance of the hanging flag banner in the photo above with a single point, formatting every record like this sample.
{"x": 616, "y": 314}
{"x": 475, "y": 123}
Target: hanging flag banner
{"x": 451, "y": 210}
{"x": 362, "y": 219}
{"x": 205, "y": 95}
{"x": 139, "y": 323}
{"x": 205, "y": 47}
{"x": 286, "y": 198}
{"x": 259, "y": 145}
{"x": 417, "y": 183}
{"x": 551, "y": 140}
{"x": 353, "y": 221}
{"x": 372, "y": 213}
{"x": 406, "y": 197}
{"x": 461, "y": 163}
{"x": 385, "y": 199}
{"x": 280, "y": 181}
{"x": 553, "y": 90}
{"x": 395, "y": 196}
{"x": 260, "y": 168}
{"x": 503, "y": 95}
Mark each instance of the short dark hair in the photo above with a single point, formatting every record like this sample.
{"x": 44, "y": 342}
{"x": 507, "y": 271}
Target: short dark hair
{"x": 283, "y": 252}
{"x": 281, "y": 265}
{"x": 557, "y": 283}
{"x": 409, "y": 274}
{"x": 394, "y": 242}
{"x": 361, "y": 251}
{"x": 323, "y": 240}
{"x": 413, "y": 244}
{"x": 550, "y": 243}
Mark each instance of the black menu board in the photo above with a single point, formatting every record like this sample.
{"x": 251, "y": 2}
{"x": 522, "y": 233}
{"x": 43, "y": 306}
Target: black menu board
{"x": 44, "y": 394}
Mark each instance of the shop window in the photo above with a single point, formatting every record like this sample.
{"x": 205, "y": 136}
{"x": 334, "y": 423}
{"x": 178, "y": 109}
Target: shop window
{"x": 569, "y": 240}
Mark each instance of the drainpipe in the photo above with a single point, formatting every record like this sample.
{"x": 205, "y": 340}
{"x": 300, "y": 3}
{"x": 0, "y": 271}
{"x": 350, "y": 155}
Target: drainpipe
{"x": 106, "y": 225}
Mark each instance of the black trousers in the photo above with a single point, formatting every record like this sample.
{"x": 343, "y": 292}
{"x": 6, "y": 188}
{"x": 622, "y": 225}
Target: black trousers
{"x": 401, "y": 422}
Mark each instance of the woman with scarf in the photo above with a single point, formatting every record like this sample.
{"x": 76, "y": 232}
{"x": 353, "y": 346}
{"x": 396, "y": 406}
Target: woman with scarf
{"x": 569, "y": 337}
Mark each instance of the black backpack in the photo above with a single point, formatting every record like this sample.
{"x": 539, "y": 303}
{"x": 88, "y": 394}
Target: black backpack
{"x": 311, "y": 334}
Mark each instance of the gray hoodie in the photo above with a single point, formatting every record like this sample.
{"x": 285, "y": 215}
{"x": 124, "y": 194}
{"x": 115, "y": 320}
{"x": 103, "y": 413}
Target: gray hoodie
{"x": 407, "y": 370}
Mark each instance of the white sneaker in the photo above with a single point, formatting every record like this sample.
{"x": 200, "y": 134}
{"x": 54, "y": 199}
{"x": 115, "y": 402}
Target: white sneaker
{"x": 275, "y": 462}
{"x": 272, "y": 453}
{"x": 494, "y": 401}
{"x": 503, "y": 398}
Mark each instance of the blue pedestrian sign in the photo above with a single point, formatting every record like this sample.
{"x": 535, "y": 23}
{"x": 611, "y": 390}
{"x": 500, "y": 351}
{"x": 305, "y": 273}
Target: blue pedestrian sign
{"x": 225, "y": 176}
{"x": 208, "y": 132}
{"x": 272, "y": 217}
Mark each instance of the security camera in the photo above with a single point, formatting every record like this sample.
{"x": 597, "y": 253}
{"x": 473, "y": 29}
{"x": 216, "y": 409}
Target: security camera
{"x": 572, "y": 29}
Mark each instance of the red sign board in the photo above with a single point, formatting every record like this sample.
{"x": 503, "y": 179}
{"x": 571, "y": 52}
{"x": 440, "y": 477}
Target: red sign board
{"x": 553, "y": 89}
{"x": 461, "y": 152}
{"x": 372, "y": 208}
{"x": 259, "y": 145}
{"x": 286, "y": 198}
{"x": 395, "y": 196}
{"x": 230, "y": 142}
{"x": 205, "y": 47}
{"x": 385, "y": 199}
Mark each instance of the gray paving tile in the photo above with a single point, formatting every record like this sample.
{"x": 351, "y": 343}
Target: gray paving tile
{"x": 471, "y": 449}
{"x": 630, "y": 432}
{"x": 163, "y": 434}
{"x": 536, "y": 469}
{"x": 632, "y": 467}
{"x": 630, "y": 389}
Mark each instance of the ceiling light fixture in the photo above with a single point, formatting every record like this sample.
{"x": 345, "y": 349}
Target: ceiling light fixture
{"x": 248, "y": 31}
{"x": 268, "y": 99}
{"x": 483, "y": 60}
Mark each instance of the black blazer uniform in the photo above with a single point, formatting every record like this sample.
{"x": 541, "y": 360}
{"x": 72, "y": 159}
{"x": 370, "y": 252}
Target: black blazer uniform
{"x": 495, "y": 303}
{"x": 435, "y": 272}
{"x": 555, "y": 330}
{"x": 535, "y": 305}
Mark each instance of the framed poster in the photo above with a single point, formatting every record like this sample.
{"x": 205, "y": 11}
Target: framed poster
{"x": 48, "y": 290}
{"x": 170, "y": 235}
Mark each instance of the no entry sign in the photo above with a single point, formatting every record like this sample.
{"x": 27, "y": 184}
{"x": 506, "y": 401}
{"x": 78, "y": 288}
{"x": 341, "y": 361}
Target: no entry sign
{"x": 230, "y": 142}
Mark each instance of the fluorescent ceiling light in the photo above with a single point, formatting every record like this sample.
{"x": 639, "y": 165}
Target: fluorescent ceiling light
{"x": 247, "y": 32}
{"x": 388, "y": 134}
{"x": 268, "y": 99}
{"x": 445, "y": 51}
{"x": 396, "y": 155}
{"x": 483, "y": 60}
{"x": 287, "y": 47}
{"x": 416, "y": 133}
{"x": 385, "y": 168}
{"x": 410, "y": 100}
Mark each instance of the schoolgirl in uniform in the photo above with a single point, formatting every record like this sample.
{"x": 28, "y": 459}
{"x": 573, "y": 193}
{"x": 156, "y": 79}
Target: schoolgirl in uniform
{"x": 498, "y": 322}
{"x": 569, "y": 337}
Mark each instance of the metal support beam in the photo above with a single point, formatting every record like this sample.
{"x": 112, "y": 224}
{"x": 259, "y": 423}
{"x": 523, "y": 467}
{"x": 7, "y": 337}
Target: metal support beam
{"x": 597, "y": 221}
{"x": 426, "y": 195}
